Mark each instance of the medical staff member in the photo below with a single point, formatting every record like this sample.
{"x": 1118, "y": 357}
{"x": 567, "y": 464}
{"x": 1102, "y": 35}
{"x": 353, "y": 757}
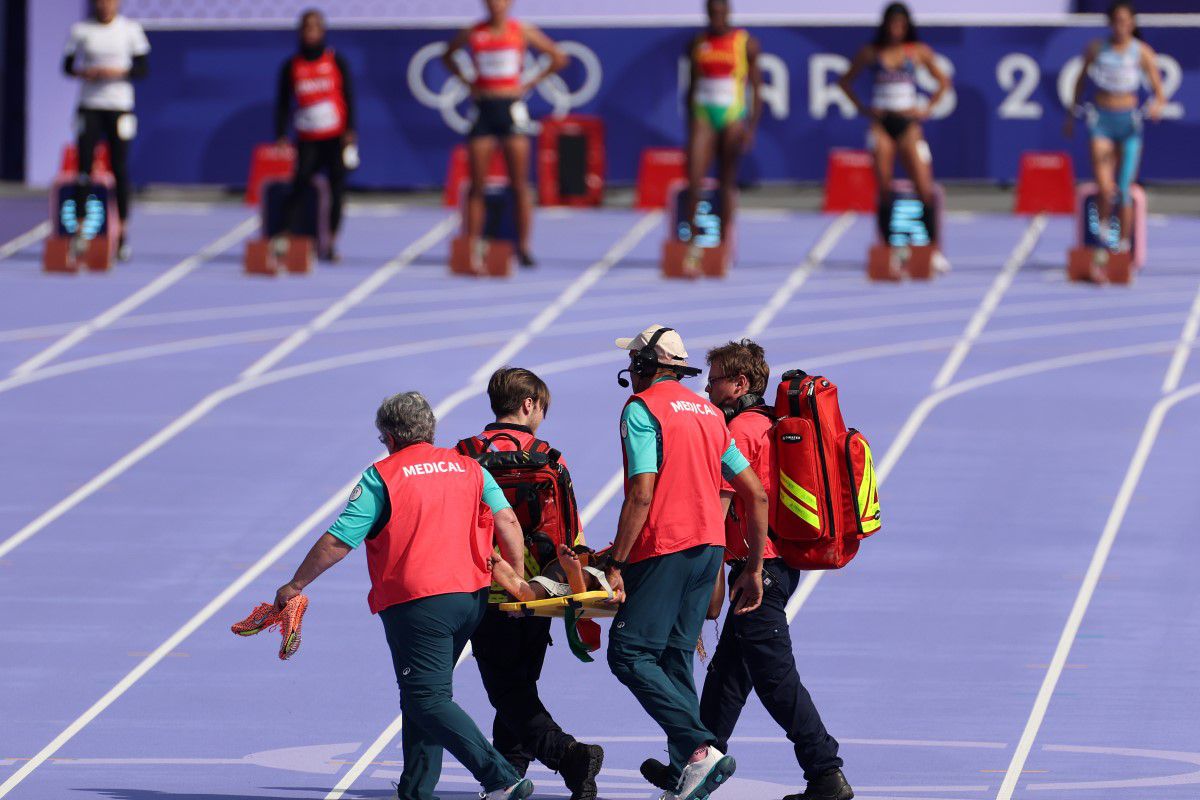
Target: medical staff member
{"x": 755, "y": 649}
{"x": 497, "y": 46}
{"x": 510, "y": 651}
{"x": 421, "y": 513}
{"x": 669, "y": 546}
{"x": 107, "y": 52}
{"x": 724, "y": 105}
{"x": 1116, "y": 66}
{"x": 316, "y": 80}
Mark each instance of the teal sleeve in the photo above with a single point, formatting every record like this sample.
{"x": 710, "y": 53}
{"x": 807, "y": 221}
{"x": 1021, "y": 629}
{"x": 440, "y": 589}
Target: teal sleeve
{"x": 493, "y": 495}
{"x": 368, "y": 500}
{"x": 639, "y": 435}
{"x": 733, "y": 462}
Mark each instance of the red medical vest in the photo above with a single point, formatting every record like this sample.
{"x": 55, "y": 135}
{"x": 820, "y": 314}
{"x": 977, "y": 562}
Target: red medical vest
{"x": 751, "y": 431}
{"x": 686, "y": 509}
{"x": 438, "y": 538}
{"x": 498, "y": 57}
{"x": 320, "y": 101}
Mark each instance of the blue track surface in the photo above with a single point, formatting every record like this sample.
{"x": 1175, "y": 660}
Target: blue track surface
{"x": 163, "y": 454}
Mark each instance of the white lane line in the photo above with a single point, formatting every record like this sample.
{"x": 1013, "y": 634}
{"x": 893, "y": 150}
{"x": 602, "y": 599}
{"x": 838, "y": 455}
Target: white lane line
{"x": 1066, "y": 640}
{"x": 991, "y": 300}
{"x": 352, "y": 298}
{"x": 473, "y": 386}
{"x": 34, "y": 234}
{"x": 155, "y": 287}
{"x": 919, "y": 414}
{"x": 1187, "y": 340}
{"x": 206, "y": 404}
{"x": 270, "y": 557}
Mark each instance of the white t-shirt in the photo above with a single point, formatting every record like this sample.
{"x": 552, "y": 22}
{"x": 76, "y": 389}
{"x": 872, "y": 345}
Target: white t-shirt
{"x": 113, "y": 45}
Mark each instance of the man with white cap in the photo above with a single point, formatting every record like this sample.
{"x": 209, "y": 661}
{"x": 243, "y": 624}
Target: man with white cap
{"x": 669, "y": 546}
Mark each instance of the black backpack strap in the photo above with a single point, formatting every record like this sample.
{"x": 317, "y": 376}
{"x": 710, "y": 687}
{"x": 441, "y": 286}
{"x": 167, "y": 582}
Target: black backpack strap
{"x": 488, "y": 441}
{"x": 469, "y": 447}
{"x": 794, "y": 378}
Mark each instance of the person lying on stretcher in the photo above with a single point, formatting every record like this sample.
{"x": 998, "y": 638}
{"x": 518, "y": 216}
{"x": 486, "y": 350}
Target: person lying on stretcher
{"x": 572, "y": 573}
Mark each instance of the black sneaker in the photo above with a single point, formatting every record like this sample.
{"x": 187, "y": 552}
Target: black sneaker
{"x": 659, "y": 774}
{"x": 579, "y": 768}
{"x": 525, "y": 259}
{"x": 830, "y": 786}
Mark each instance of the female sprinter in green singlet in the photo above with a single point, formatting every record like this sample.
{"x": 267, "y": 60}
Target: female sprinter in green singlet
{"x": 723, "y": 61}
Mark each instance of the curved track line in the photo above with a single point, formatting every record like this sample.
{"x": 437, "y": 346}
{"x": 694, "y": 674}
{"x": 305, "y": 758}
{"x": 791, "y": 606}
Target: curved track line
{"x": 926, "y": 406}
{"x": 557, "y": 307}
{"x": 215, "y": 398}
{"x": 155, "y": 287}
{"x": 1133, "y": 474}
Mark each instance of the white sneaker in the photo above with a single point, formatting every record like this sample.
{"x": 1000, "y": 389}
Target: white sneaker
{"x": 518, "y": 791}
{"x": 941, "y": 264}
{"x": 702, "y": 778}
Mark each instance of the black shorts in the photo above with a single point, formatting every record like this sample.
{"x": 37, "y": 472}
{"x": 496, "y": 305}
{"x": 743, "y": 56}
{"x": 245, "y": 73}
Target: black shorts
{"x": 895, "y": 124}
{"x": 494, "y": 116}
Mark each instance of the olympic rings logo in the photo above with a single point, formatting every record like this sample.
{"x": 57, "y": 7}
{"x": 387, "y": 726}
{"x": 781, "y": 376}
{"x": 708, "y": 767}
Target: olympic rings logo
{"x": 449, "y": 98}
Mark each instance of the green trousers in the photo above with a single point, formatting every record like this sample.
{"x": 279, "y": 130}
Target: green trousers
{"x": 426, "y": 637}
{"x": 653, "y": 638}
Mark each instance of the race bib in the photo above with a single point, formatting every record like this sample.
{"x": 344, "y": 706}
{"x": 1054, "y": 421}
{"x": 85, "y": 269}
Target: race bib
{"x": 321, "y": 116}
{"x": 716, "y": 91}
{"x": 496, "y": 64}
{"x": 520, "y": 114}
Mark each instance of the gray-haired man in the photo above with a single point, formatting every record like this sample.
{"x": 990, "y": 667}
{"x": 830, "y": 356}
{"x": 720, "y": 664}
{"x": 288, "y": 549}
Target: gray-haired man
{"x": 419, "y": 512}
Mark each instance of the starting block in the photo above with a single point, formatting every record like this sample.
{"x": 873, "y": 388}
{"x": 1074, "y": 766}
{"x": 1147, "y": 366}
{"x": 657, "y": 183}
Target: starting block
{"x": 1045, "y": 184}
{"x": 499, "y": 240}
{"x": 458, "y": 173}
{"x": 658, "y": 170}
{"x": 97, "y": 223}
{"x": 908, "y": 251}
{"x": 301, "y": 247}
{"x": 1092, "y": 259}
{"x": 850, "y": 181}
{"x": 707, "y": 254}
{"x": 571, "y": 161}
{"x": 268, "y": 162}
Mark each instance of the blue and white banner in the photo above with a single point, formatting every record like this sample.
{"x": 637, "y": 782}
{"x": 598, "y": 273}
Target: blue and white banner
{"x": 209, "y": 97}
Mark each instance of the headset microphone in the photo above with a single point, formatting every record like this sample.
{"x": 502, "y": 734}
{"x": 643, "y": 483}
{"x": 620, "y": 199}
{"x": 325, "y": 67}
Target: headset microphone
{"x": 622, "y": 381}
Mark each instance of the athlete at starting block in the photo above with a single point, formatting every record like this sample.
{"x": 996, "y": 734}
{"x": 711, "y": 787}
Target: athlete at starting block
{"x": 1109, "y": 249}
{"x": 721, "y": 126}
{"x": 896, "y": 113}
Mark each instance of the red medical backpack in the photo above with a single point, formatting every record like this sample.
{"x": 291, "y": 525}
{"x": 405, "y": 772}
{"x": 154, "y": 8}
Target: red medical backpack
{"x": 537, "y": 486}
{"x": 825, "y": 499}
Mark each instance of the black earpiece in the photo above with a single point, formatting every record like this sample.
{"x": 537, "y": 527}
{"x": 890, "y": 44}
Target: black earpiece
{"x": 644, "y": 361}
{"x": 748, "y": 400}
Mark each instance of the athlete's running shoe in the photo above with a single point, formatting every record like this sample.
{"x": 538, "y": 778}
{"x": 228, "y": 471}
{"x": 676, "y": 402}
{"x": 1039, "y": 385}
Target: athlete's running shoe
{"x": 701, "y": 778}
{"x": 289, "y": 621}
{"x": 525, "y": 259}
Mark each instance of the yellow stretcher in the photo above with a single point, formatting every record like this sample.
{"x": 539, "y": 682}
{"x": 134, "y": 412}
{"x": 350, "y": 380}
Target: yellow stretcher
{"x": 575, "y": 609}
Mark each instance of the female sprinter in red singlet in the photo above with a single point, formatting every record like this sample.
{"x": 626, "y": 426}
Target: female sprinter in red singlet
{"x": 497, "y": 47}
{"x": 895, "y": 111}
{"x": 723, "y": 61}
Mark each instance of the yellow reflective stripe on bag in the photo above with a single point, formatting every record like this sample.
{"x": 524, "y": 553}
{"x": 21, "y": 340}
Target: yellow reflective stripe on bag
{"x": 809, "y": 513}
{"x": 868, "y": 493}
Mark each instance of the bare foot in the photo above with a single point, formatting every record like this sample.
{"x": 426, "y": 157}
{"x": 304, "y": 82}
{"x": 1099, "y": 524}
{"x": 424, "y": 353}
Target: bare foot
{"x": 506, "y": 576}
{"x": 573, "y": 569}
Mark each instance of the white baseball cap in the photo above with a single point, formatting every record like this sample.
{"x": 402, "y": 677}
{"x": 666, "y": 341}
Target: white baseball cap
{"x": 669, "y": 347}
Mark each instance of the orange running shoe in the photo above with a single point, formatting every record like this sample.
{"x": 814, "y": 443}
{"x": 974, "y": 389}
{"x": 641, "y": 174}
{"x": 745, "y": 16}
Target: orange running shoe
{"x": 289, "y": 620}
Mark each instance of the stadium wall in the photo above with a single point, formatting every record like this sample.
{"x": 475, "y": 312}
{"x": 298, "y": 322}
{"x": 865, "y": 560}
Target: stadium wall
{"x": 209, "y": 96}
